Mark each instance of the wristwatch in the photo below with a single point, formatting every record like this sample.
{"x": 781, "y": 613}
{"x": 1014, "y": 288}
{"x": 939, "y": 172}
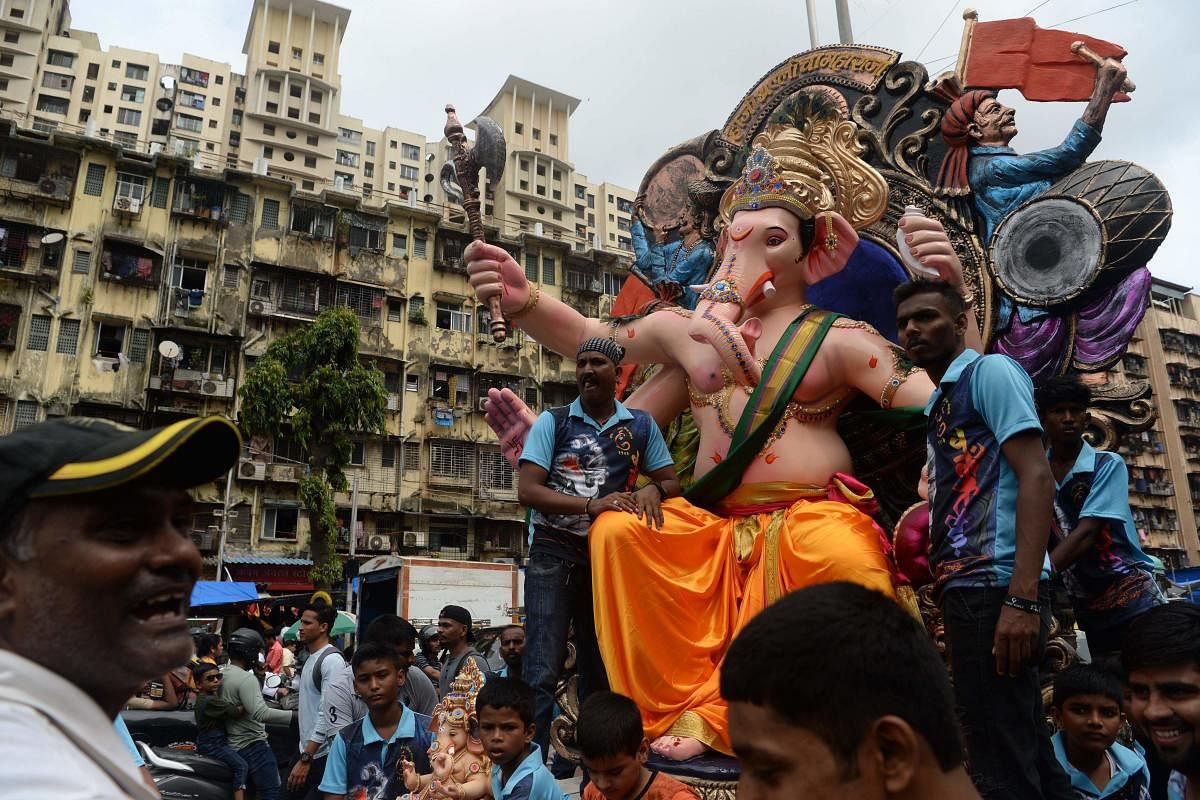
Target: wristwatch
{"x": 306, "y": 757}
{"x": 662, "y": 493}
{"x": 1021, "y": 604}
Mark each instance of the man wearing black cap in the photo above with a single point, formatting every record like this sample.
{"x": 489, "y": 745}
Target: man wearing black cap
{"x": 454, "y": 628}
{"x": 95, "y": 558}
{"x": 579, "y": 461}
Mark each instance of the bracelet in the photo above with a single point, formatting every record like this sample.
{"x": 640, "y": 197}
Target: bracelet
{"x": 1021, "y": 604}
{"x": 531, "y": 302}
{"x": 662, "y": 493}
{"x": 585, "y": 507}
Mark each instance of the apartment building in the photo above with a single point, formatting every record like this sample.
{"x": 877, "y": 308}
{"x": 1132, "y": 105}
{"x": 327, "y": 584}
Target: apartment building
{"x": 1164, "y": 461}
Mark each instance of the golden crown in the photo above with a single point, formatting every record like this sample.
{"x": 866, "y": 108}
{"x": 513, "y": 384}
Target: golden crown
{"x": 763, "y": 185}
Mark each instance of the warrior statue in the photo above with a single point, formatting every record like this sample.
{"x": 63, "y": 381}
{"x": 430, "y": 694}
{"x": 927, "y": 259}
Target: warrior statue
{"x": 773, "y": 507}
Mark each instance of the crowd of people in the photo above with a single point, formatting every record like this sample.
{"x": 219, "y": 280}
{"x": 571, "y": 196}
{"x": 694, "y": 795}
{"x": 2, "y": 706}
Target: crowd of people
{"x": 833, "y": 691}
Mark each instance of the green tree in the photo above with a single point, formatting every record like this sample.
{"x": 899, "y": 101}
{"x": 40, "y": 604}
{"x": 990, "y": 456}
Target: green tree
{"x": 335, "y": 400}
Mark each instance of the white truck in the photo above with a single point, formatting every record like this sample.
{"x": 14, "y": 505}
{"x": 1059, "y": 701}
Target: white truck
{"x": 418, "y": 588}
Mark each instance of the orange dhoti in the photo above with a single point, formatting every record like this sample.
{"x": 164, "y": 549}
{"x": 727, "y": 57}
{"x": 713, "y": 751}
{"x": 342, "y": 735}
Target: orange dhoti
{"x": 669, "y": 602}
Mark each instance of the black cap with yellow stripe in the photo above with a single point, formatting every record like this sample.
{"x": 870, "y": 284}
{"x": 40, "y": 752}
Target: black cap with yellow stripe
{"x": 80, "y": 455}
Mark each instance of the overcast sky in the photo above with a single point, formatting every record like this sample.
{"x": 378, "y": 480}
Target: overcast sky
{"x": 652, "y": 73}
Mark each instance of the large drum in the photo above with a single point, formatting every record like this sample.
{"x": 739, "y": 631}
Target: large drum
{"x": 1104, "y": 219}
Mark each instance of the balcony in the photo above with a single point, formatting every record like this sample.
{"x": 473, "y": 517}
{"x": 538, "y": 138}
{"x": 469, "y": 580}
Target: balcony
{"x": 201, "y": 200}
{"x": 194, "y": 382}
{"x": 130, "y": 264}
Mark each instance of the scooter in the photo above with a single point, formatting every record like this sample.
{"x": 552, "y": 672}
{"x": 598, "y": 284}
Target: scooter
{"x": 187, "y": 775}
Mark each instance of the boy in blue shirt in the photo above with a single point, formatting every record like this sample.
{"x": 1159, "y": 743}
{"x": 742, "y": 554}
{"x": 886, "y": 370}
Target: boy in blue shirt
{"x": 1108, "y": 576}
{"x": 1087, "y": 709}
{"x": 504, "y": 707}
{"x": 366, "y": 757}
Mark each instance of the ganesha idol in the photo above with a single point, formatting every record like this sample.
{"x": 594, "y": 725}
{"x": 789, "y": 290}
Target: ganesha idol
{"x": 460, "y": 765}
{"x": 765, "y": 374}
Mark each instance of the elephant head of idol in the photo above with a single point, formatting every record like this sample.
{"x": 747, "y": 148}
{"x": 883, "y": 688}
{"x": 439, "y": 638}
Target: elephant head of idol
{"x": 789, "y": 221}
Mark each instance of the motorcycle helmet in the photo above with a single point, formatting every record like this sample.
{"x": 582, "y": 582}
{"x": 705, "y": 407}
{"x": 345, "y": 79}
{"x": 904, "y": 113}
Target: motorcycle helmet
{"x": 245, "y": 644}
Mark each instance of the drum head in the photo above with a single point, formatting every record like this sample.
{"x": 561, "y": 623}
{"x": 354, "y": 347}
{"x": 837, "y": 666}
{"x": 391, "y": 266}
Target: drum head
{"x": 1048, "y": 251}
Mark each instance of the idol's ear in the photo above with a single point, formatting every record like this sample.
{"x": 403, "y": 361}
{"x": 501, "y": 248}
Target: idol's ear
{"x": 834, "y": 241}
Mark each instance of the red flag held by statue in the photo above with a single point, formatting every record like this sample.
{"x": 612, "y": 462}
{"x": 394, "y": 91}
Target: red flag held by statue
{"x": 1040, "y": 62}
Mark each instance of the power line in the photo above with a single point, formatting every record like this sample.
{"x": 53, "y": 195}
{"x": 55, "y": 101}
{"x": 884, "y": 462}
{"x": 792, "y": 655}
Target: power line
{"x": 879, "y": 18}
{"x": 949, "y": 11}
{"x": 1094, "y": 13}
{"x": 1035, "y": 8}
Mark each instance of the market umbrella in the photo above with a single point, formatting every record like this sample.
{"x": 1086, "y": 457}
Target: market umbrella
{"x": 345, "y": 623}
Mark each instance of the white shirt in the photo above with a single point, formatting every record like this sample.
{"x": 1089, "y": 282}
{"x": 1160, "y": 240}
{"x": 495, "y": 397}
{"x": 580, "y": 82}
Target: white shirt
{"x": 56, "y": 742}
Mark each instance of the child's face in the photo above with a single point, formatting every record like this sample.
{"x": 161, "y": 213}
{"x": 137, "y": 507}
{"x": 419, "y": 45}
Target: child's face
{"x": 210, "y": 681}
{"x": 504, "y": 734}
{"x": 377, "y": 683}
{"x": 618, "y": 777}
{"x": 1089, "y": 722}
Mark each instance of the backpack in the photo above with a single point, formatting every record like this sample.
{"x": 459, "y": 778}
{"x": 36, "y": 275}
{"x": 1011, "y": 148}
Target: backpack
{"x": 317, "y": 678}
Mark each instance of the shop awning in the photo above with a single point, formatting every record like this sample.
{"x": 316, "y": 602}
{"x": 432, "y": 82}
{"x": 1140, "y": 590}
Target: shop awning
{"x": 219, "y": 593}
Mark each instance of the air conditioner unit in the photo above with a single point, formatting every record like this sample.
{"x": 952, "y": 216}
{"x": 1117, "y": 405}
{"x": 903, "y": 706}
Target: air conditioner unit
{"x": 261, "y": 307}
{"x": 393, "y": 402}
{"x": 339, "y": 183}
{"x": 415, "y": 538}
{"x": 260, "y": 166}
{"x": 215, "y": 388}
{"x": 156, "y": 382}
{"x": 377, "y": 542}
{"x": 180, "y": 149}
{"x": 252, "y": 470}
{"x": 155, "y": 148}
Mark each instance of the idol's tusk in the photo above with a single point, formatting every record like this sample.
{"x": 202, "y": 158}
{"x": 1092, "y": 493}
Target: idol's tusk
{"x": 768, "y": 289}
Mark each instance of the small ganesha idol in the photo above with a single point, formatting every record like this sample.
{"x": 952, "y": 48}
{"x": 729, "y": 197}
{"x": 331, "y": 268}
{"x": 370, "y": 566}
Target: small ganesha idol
{"x": 460, "y": 766}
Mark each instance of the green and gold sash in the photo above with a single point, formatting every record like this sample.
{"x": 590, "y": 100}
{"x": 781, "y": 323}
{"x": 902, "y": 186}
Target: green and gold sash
{"x": 785, "y": 369}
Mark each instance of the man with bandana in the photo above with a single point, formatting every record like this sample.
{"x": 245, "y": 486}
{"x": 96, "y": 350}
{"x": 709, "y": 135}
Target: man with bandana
{"x": 579, "y": 461}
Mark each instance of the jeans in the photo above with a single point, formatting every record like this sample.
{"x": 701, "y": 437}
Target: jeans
{"x": 1009, "y": 752}
{"x": 214, "y": 745}
{"x": 557, "y": 594}
{"x": 264, "y": 772}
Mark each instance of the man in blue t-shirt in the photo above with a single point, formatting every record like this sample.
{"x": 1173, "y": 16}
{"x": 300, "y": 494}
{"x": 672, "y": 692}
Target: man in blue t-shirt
{"x": 1095, "y": 548}
{"x": 578, "y": 462}
{"x": 990, "y": 497}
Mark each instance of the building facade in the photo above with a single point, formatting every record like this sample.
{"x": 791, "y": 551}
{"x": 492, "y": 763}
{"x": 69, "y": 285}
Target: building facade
{"x": 163, "y": 223}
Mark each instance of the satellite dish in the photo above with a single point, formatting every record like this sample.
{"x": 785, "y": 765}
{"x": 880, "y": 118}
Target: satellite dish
{"x": 52, "y": 238}
{"x": 163, "y": 104}
{"x": 168, "y": 349}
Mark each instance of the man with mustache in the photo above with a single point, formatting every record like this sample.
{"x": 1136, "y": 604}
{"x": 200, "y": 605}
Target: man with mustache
{"x": 94, "y": 552}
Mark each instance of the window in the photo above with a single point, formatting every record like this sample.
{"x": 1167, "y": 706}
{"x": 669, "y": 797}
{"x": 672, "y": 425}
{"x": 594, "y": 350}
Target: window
{"x": 531, "y": 272}
{"x": 110, "y": 337}
{"x": 347, "y": 180}
{"x": 524, "y": 186}
{"x": 409, "y": 173}
{"x": 297, "y": 54}
{"x": 52, "y": 80}
{"x": 59, "y": 58}
{"x": 235, "y": 116}
{"x": 68, "y": 336}
{"x": 272, "y": 108}
{"x": 318, "y": 58}
{"x": 451, "y": 318}
{"x": 296, "y": 90}
{"x": 419, "y": 245}
{"x": 357, "y": 454}
{"x": 541, "y": 169}
{"x": 268, "y": 152}
{"x": 542, "y": 191}
{"x": 139, "y": 345}
{"x": 12, "y": 37}
{"x": 368, "y": 170}
{"x": 6, "y": 59}
{"x": 524, "y": 165}
{"x": 548, "y": 270}
{"x": 612, "y": 283}
{"x": 161, "y": 191}
{"x": 494, "y": 471}
{"x": 412, "y": 382}
{"x": 189, "y": 274}
{"x": 387, "y": 455}
{"x": 399, "y": 245}
{"x": 524, "y": 207}
{"x": 314, "y": 220}
{"x": 191, "y": 100}
{"x": 392, "y": 144}
{"x": 27, "y": 414}
{"x": 591, "y": 201}
{"x": 518, "y": 128}
{"x": 270, "y": 213}
{"x": 128, "y": 139}
{"x": 229, "y": 279}
{"x": 537, "y": 134}
{"x": 53, "y": 105}
{"x": 93, "y": 184}
{"x": 450, "y": 460}
{"x": 280, "y": 523}
{"x": 310, "y": 161}
{"x": 187, "y": 122}
{"x": 347, "y": 159}
{"x": 554, "y": 138}
{"x": 39, "y": 332}
{"x": 395, "y": 313}
{"x": 370, "y": 148}
{"x": 410, "y": 152}
{"x": 273, "y": 47}
{"x": 131, "y": 186}
{"x": 364, "y": 301}
{"x": 312, "y": 140}
{"x": 82, "y": 261}
{"x": 293, "y": 112}
{"x": 10, "y": 320}
{"x": 412, "y": 456}
{"x": 416, "y": 309}
{"x": 137, "y": 72}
